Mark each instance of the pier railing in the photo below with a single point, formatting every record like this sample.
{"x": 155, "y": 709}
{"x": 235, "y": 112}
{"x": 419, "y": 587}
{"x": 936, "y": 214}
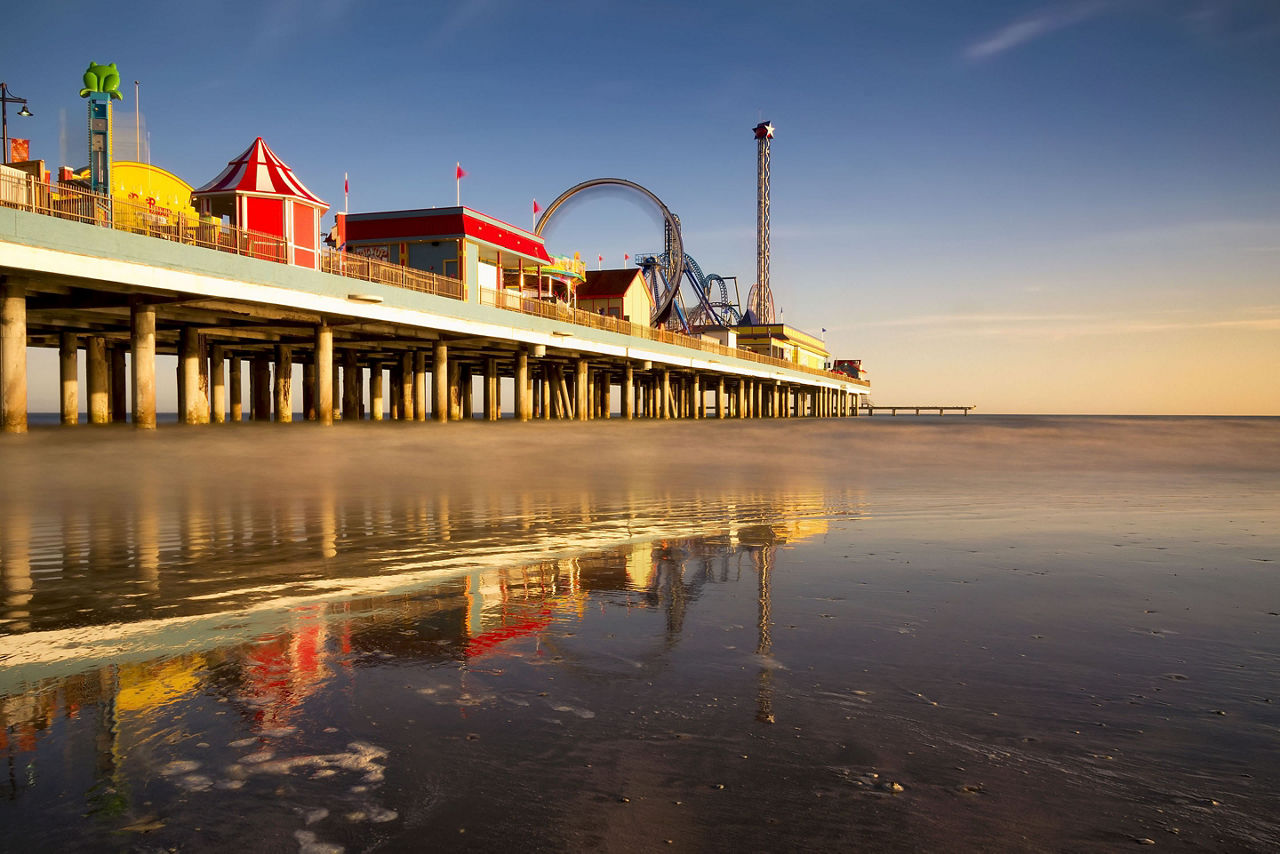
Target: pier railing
{"x": 559, "y": 311}
{"x": 371, "y": 270}
{"x": 66, "y": 201}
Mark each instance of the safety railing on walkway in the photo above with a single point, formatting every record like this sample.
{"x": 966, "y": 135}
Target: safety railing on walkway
{"x": 560, "y": 311}
{"x": 370, "y": 270}
{"x": 65, "y": 201}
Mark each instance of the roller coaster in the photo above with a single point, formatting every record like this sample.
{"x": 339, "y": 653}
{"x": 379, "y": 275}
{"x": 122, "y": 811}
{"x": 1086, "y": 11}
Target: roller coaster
{"x": 667, "y": 273}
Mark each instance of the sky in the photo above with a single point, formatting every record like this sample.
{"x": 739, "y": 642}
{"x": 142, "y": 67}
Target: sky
{"x": 1032, "y": 207}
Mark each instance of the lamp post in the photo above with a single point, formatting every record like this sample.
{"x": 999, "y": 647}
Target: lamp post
{"x": 5, "y": 100}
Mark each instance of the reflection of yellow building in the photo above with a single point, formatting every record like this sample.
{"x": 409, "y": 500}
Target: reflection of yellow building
{"x": 640, "y": 569}
{"x": 149, "y": 685}
{"x": 802, "y": 529}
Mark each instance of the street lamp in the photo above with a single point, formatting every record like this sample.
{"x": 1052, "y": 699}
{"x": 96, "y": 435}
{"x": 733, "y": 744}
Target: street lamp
{"x": 5, "y": 100}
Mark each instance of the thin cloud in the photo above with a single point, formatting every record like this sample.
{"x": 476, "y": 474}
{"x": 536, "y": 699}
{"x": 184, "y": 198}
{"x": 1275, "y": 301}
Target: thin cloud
{"x": 1058, "y": 326}
{"x": 462, "y": 17}
{"x": 1245, "y": 234}
{"x": 1232, "y": 23}
{"x": 972, "y": 319}
{"x": 1032, "y": 27}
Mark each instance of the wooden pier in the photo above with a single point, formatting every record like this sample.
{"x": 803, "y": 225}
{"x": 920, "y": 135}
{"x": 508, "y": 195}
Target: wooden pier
{"x": 367, "y": 336}
{"x": 871, "y": 409}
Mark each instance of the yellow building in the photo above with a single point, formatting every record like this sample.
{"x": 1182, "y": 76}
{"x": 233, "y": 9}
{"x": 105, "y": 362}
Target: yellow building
{"x": 617, "y": 293}
{"x": 149, "y": 193}
{"x": 783, "y": 342}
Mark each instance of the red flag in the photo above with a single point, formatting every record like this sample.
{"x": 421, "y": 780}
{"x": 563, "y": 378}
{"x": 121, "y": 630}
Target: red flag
{"x": 346, "y": 185}
{"x": 626, "y": 258}
{"x": 462, "y": 173}
{"x": 600, "y": 258}
{"x": 535, "y": 207}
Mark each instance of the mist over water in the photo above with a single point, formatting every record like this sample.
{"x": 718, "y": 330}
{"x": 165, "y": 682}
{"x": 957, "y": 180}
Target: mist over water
{"x": 1013, "y": 633}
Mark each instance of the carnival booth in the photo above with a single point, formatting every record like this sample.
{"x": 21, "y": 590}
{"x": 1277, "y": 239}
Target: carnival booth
{"x": 262, "y": 196}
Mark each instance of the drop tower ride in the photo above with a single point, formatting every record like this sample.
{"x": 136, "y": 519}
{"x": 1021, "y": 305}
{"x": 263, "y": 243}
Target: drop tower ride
{"x": 760, "y": 299}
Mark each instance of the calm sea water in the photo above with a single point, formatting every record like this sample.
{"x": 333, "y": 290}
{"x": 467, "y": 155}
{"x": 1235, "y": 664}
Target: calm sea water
{"x": 983, "y": 633}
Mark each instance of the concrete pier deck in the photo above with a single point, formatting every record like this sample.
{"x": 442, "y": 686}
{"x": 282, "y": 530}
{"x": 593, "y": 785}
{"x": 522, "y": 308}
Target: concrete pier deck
{"x": 118, "y": 299}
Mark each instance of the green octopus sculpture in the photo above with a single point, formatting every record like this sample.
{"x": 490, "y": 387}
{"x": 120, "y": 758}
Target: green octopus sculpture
{"x": 102, "y": 78}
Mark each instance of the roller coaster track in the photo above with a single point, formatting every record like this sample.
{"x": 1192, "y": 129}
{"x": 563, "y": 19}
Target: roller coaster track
{"x": 671, "y": 274}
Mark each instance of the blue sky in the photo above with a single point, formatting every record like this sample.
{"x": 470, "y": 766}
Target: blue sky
{"x": 1032, "y": 206}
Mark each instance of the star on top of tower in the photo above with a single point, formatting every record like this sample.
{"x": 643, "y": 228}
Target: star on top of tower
{"x": 764, "y": 130}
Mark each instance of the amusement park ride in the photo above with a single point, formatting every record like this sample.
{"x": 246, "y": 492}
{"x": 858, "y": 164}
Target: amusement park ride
{"x": 673, "y": 273}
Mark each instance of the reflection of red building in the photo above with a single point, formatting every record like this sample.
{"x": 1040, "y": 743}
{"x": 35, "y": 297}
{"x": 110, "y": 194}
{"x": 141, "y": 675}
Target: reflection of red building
{"x": 511, "y": 627}
{"x": 281, "y": 671}
{"x": 508, "y": 605}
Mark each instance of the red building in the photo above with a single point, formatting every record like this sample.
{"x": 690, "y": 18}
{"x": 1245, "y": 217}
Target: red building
{"x": 260, "y": 193}
{"x": 485, "y": 253}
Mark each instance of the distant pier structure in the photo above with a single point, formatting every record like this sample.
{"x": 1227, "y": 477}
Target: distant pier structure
{"x": 404, "y": 316}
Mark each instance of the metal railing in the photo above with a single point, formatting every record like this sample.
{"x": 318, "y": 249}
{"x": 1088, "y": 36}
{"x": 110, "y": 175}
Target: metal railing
{"x": 560, "y": 311}
{"x": 370, "y": 270}
{"x": 65, "y": 201}
{"x": 79, "y": 205}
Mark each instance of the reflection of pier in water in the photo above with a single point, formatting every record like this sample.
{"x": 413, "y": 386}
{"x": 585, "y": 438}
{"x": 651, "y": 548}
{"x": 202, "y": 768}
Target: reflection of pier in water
{"x": 176, "y": 550}
{"x": 460, "y": 619}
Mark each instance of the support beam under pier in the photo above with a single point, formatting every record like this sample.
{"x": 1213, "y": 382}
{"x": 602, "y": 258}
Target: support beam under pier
{"x": 284, "y": 384}
{"x": 68, "y": 376}
{"x": 324, "y": 374}
{"x": 142, "y": 341}
{"x": 13, "y": 355}
{"x": 439, "y": 381}
{"x": 217, "y": 384}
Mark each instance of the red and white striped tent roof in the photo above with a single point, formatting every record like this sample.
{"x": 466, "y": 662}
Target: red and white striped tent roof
{"x": 259, "y": 171}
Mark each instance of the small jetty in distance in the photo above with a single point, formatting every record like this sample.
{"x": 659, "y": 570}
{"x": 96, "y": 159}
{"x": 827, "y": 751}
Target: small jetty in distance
{"x": 870, "y": 409}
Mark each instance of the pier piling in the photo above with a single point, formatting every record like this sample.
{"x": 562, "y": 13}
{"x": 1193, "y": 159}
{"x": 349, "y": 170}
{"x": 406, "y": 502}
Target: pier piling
{"x": 142, "y": 341}
{"x": 119, "y": 388}
{"x": 439, "y": 381}
{"x": 350, "y": 385}
{"x": 235, "y": 388}
{"x": 68, "y": 376}
{"x": 581, "y": 389}
{"x": 523, "y": 407}
{"x": 376, "y": 403}
{"x": 13, "y": 355}
{"x": 188, "y": 377}
{"x": 260, "y": 387}
{"x": 324, "y": 373}
{"x": 97, "y": 375}
{"x": 284, "y": 384}
{"x": 217, "y": 384}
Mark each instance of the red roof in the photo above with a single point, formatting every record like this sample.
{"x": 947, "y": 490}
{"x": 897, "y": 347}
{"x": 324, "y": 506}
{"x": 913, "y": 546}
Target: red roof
{"x": 437, "y": 223}
{"x": 602, "y": 284}
{"x": 258, "y": 170}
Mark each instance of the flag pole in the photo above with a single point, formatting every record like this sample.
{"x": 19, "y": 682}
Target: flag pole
{"x": 137, "y": 121}
{"x": 346, "y": 193}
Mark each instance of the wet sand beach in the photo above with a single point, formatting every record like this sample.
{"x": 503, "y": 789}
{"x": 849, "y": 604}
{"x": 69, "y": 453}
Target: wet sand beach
{"x": 967, "y": 634}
